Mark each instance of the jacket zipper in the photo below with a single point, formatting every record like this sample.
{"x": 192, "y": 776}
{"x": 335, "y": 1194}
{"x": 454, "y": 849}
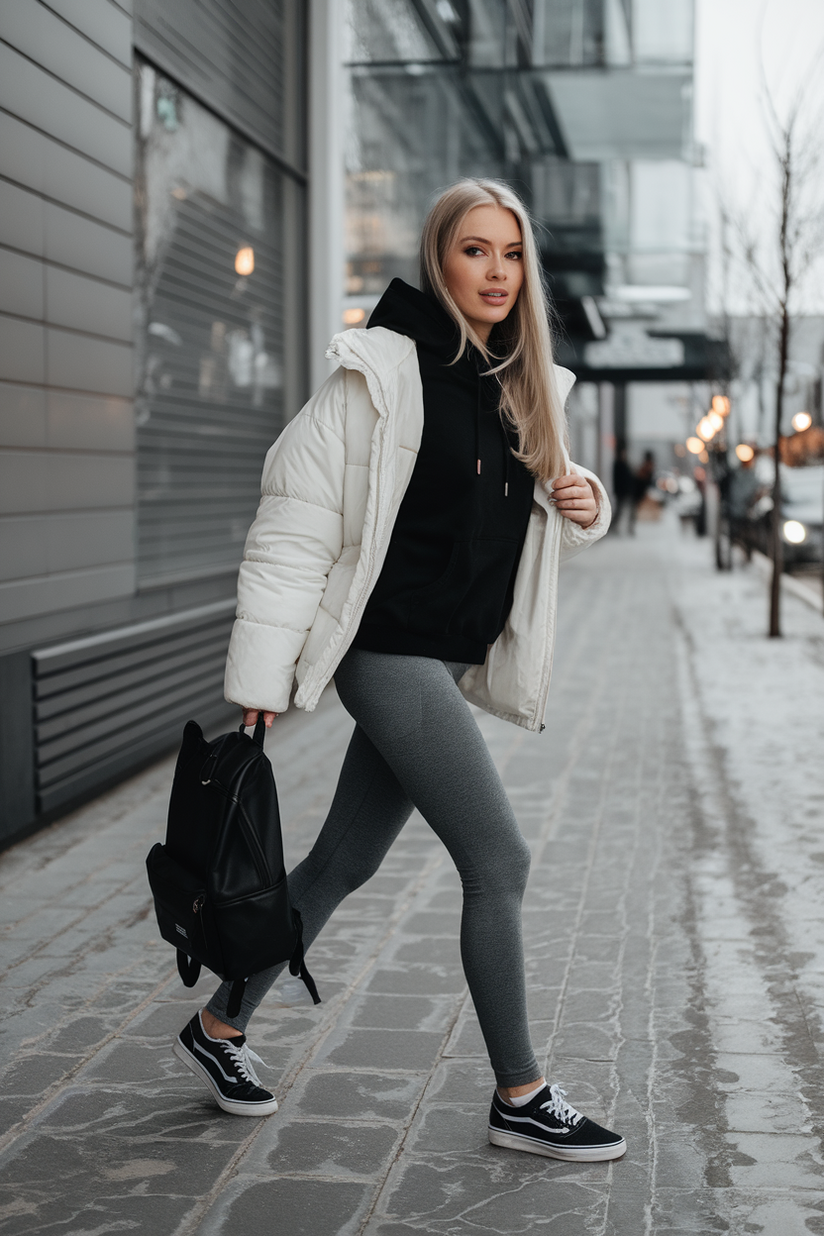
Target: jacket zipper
{"x": 366, "y": 590}
{"x": 549, "y": 655}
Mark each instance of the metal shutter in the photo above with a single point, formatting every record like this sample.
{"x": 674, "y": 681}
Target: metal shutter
{"x": 105, "y": 705}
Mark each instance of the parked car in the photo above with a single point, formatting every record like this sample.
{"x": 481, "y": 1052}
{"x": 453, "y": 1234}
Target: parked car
{"x": 802, "y": 513}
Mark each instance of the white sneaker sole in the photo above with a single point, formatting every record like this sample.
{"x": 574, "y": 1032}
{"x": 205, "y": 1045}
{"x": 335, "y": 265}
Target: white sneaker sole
{"x": 575, "y": 1154}
{"x": 266, "y": 1108}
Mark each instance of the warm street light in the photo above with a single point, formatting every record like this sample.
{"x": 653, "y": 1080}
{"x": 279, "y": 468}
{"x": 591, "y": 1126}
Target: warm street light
{"x": 705, "y": 428}
{"x": 716, "y": 420}
{"x": 245, "y": 260}
{"x": 721, "y": 405}
{"x": 744, "y": 452}
{"x": 802, "y": 421}
{"x": 695, "y": 446}
{"x": 351, "y": 317}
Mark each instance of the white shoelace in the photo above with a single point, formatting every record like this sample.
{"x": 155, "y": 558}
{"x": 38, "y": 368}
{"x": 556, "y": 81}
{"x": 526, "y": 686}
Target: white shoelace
{"x": 560, "y": 1109}
{"x": 243, "y": 1057}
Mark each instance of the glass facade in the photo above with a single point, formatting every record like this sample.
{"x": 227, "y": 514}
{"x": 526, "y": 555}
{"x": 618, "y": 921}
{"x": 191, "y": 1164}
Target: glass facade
{"x": 583, "y": 106}
{"x": 219, "y": 280}
{"x": 467, "y": 94}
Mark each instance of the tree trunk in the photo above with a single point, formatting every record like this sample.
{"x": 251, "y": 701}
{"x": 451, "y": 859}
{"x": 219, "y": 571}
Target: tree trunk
{"x": 776, "y": 544}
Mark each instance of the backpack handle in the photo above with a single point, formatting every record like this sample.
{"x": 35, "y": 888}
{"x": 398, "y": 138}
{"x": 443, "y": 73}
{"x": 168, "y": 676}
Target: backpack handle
{"x": 259, "y": 730}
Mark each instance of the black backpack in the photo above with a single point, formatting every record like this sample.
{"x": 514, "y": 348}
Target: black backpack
{"x": 219, "y": 882}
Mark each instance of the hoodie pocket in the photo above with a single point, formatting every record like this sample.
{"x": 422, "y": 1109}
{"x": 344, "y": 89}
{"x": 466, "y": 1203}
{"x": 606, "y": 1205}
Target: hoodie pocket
{"x": 469, "y": 598}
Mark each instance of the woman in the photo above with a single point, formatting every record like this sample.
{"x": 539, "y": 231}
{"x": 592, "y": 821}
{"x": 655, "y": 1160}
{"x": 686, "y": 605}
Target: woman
{"x": 408, "y": 542}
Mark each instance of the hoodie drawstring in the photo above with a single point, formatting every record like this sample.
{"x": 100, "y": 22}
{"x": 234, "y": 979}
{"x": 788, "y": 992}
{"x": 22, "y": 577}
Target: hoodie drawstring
{"x": 478, "y": 428}
{"x": 504, "y": 441}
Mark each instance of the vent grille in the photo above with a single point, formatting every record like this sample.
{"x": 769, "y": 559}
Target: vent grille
{"x": 106, "y": 704}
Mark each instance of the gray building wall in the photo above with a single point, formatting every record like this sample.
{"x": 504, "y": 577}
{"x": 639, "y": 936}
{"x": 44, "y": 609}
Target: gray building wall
{"x": 66, "y": 423}
{"x": 97, "y": 670}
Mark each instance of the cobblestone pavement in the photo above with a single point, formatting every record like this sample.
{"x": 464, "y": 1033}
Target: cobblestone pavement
{"x": 674, "y": 928}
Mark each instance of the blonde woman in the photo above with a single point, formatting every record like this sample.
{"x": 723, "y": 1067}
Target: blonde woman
{"x": 407, "y": 543}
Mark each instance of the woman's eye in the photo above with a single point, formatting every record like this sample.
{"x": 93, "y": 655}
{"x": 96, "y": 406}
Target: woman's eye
{"x": 472, "y": 250}
{"x": 516, "y": 254}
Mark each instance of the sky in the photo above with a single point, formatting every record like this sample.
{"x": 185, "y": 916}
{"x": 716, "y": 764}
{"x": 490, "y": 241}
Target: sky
{"x": 739, "y": 45}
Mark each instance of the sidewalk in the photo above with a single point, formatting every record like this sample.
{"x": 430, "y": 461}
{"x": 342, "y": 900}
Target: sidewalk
{"x": 674, "y": 926}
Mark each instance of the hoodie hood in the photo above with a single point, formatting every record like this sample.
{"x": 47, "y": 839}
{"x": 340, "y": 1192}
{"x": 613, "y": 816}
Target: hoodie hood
{"x": 407, "y": 311}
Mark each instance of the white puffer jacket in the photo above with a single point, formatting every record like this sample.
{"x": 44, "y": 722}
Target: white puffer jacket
{"x": 332, "y": 486}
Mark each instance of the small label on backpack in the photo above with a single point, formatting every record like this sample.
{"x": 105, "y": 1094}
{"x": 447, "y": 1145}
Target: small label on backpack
{"x": 182, "y": 931}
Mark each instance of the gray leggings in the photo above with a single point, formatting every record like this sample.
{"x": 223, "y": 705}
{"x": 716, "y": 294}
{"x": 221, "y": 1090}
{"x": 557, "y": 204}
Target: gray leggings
{"x": 416, "y": 744}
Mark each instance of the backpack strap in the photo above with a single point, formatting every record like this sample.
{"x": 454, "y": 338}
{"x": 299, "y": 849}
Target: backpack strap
{"x": 259, "y": 732}
{"x": 235, "y": 997}
{"x": 187, "y": 968}
{"x": 297, "y": 965}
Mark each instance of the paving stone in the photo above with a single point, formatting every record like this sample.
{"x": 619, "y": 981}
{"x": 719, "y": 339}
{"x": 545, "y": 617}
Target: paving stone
{"x": 488, "y": 1196}
{"x": 361, "y": 1095}
{"x": 33, "y": 1074}
{"x": 333, "y": 1149}
{"x": 401, "y": 1012}
{"x": 416, "y": 979}
{"x": 303, "y": 1207}
{"x": 382, "y": 1049}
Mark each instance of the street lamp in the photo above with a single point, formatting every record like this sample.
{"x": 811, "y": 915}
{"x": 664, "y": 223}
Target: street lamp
{"x": 801, "y": 421}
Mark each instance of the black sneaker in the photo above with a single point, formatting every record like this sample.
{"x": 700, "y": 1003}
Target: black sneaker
{"x": 226, "y": 1067}
{"x": 551, "y": 1127}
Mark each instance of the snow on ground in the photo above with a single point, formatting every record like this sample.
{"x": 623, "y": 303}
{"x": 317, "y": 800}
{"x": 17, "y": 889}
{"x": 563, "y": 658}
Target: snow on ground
{"x": 762, "y": 702}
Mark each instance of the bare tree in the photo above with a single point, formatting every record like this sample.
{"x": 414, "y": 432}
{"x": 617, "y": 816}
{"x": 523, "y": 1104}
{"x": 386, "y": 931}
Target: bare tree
{"x": 779, "y": 257}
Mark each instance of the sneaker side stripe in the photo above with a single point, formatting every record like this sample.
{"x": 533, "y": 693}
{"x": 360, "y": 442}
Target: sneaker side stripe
{"x": 213, "y": 1060}
{"x": 559, "y": 1132}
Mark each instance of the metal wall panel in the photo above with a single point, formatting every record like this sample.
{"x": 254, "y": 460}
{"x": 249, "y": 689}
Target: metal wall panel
{"x": 39, "y": 33}
{"x": 107, "y": 24}
{"x": 107, "y": 704}
{"x": 66, "y": 261}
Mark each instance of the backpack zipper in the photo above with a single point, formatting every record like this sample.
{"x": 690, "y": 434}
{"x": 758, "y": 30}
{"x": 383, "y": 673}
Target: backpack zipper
{"x": 258, "y": 856}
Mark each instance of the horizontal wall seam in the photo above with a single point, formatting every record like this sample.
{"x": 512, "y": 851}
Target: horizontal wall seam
{"x": 127, "y": 124}
{"x": 73, "y": 210}
{"x": 68, "y": 330}
{"x": 126, "y": 180}
{"x": 82, "y": 35}
{"x": 121, "y": 8}
{"x": 64, "y": 573}
{"x": 81, "y": 512}
{"x": 49, "y": 387}
{"x": 71, "y": 270}
{"x": 62, "y": 451}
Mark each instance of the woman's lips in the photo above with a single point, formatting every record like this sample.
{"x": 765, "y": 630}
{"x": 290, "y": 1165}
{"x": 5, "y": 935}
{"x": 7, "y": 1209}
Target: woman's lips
{"x": 494, "y": 298}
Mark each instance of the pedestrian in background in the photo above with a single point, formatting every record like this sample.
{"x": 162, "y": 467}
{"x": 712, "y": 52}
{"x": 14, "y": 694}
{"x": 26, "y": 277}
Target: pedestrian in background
{"x": 413, "y": 518}
{"x": 623, "y": 489}
{"x": 643, "y": 479}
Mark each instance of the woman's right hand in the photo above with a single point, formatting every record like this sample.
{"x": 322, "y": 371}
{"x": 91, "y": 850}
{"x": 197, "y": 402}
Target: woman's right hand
{"x": 250, "y": 716}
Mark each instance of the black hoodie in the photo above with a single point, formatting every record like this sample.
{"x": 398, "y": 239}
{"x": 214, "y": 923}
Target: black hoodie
{"x": 446, "y": 585}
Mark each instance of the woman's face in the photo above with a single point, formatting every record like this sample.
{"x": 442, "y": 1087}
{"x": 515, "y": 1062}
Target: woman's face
{"x": 484, "y": 268}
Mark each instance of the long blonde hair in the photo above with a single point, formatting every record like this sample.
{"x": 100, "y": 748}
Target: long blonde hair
{"x": 522, "y": 343}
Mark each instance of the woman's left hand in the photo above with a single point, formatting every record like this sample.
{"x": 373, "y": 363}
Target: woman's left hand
{"x": 575, "y": 499}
